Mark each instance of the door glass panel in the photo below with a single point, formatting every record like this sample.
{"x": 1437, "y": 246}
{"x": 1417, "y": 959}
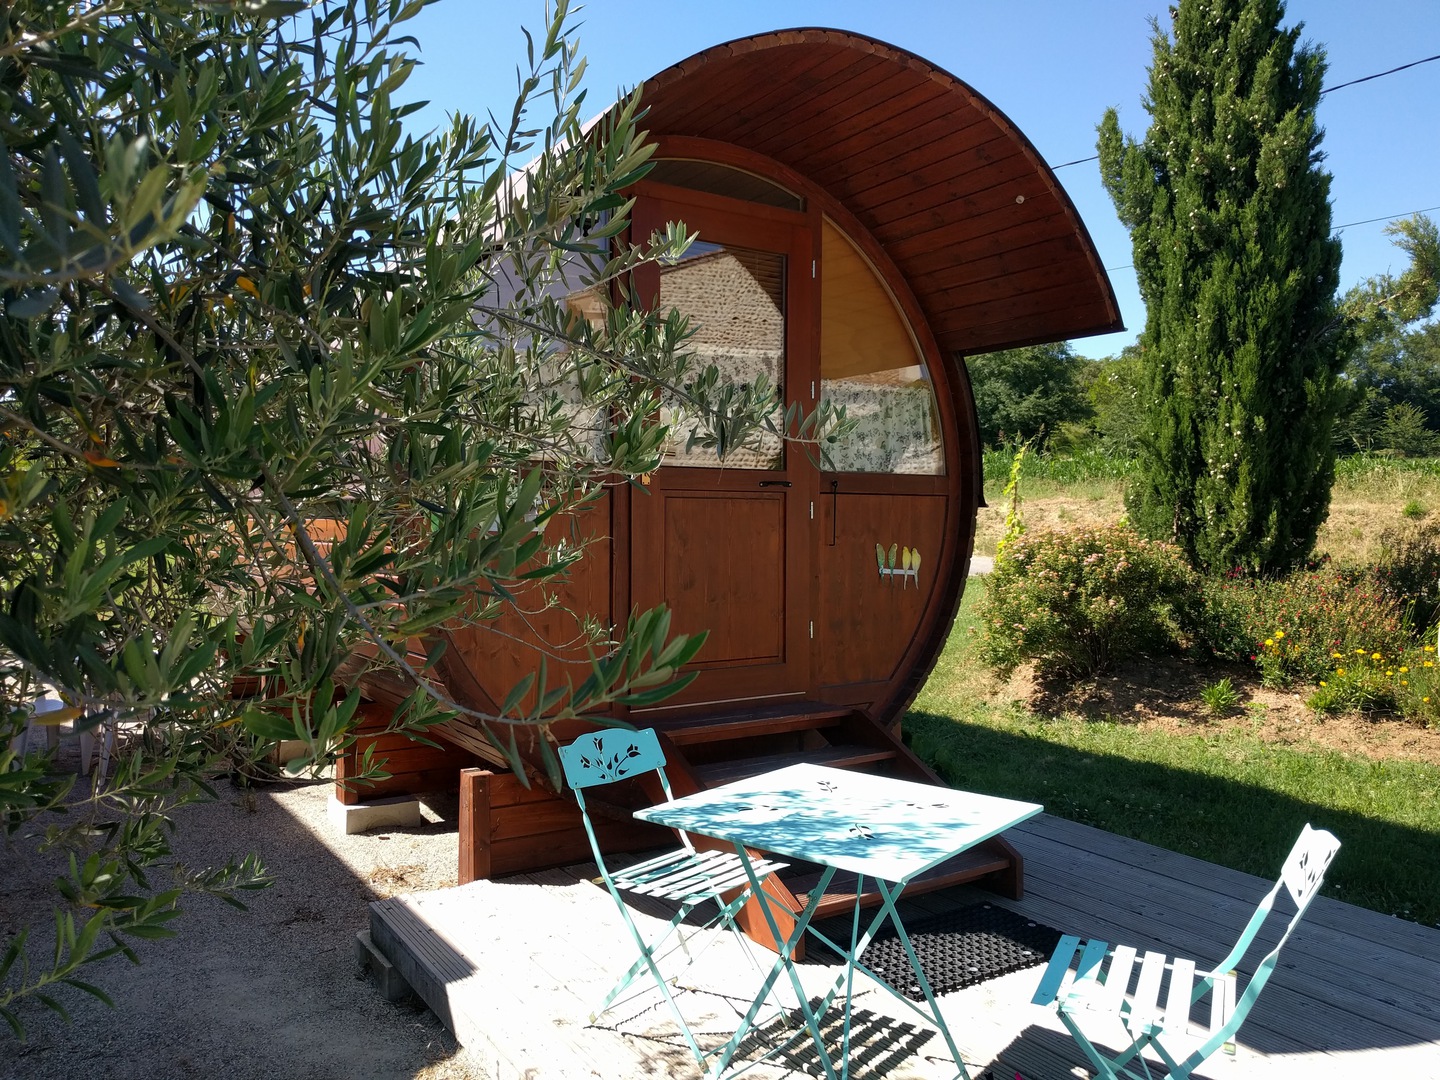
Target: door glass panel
{"x": 869, "y": 364}
{"x": 724, "y": 180}
{"x": 734, "y": 298}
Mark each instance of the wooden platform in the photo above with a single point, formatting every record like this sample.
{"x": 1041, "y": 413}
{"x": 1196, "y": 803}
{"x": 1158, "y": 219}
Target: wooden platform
{"x": 515, "y": 966}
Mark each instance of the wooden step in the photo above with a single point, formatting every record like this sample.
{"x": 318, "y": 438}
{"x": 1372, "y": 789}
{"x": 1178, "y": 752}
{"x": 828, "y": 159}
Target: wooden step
{"x": 770, "y": 719}
{"x": 840, "y": 757}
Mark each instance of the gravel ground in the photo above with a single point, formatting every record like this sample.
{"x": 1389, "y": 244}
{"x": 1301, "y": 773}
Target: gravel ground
{"x": 273, "y": 992}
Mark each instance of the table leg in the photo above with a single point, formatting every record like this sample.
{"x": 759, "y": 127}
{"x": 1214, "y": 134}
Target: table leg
{"x": 784, "y": 961}
{"x": 889, "y": 894}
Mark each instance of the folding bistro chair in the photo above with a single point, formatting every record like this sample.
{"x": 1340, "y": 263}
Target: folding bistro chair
{"x": 685, "y": 876}
{"x": 1101, "y": 981}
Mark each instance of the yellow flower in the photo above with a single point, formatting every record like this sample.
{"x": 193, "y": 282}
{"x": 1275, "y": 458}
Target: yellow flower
{"x": 1339, "y": 671}
{"x": 1279, "y": 633}
{"x": 1429, "y": 648}
{"x": 1429, "y": 663}
{"x": 1403, "y": 670}
{"x": 1334, "y": 656}
{"x": 1376, "y": 656}
{"x": 1268, "y": 641}
{"x": 1359, "y": 652}
{"x": 1404, "y": 682}
{"x": 1322, "y": 682}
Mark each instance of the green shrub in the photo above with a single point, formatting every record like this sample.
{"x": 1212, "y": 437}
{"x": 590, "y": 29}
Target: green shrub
{"x": 1296, "y": 627}
{"x": 1220, "y": 697}
{"x": 1077, "y": 601}
{"x": 1408, "y": 569}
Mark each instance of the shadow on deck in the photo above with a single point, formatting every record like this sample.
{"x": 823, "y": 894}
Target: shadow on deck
{"x": 514, "y": 968}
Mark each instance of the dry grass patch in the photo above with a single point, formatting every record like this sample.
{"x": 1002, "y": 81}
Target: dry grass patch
{"x": 1361, "y": 509}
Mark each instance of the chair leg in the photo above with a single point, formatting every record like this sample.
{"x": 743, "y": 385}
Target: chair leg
{"x": 647, "y": 960}
{"x": 1116, "y": 1068}
{"x": 648, "y": 953}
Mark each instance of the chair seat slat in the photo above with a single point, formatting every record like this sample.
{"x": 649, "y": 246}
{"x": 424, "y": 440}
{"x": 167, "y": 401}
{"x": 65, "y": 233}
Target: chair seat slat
{"x": 1145, "y": 1009}
{"x": 1111, "y": 995}
{"x": 650, "y": 866}
{"x": 1177, "y": 1001}
{"x": 695, "y": 868}
{"x": 1222, "y": 1000}
{"x": 1056, "y": 970}
{"x": 698, "y": 875}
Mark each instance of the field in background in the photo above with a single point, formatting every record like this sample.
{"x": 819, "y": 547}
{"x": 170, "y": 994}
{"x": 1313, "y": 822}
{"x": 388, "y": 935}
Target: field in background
{"x": 1370, "y": 494}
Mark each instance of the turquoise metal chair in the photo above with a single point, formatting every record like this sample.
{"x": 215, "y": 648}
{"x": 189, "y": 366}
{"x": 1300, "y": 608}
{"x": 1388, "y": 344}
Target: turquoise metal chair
{"x": 685, "y": 876}
{"x": 1102, "y": 979}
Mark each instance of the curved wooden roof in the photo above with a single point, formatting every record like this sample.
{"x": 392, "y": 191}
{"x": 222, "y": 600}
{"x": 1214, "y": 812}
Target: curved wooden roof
{"x": 971, "y": 215}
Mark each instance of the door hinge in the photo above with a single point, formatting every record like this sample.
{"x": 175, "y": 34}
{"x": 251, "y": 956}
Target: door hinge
{"x": 812, "y": 510}
{"x": 812, "y": 269}
{"x": 812, "y": 629}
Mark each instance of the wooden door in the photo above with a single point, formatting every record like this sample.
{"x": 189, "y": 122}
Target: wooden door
{"x": 727, "y": 544}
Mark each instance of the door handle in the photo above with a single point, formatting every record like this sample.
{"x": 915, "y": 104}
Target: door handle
{"x": 774, "y": 483}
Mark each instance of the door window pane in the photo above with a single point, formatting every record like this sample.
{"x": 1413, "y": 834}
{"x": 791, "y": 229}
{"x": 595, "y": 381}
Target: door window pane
{"x": 735, "y": 300}
{"x": 869, "y": 364}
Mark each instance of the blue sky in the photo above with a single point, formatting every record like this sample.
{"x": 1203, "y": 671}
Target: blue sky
{"x": 1052, "y": 66}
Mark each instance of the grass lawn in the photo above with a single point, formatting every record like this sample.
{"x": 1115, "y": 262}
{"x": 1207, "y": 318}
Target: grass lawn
{"x": 1220, "y": 793}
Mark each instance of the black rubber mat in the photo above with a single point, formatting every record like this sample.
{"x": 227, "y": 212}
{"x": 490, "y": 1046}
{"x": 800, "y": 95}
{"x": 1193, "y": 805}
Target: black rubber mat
{"x": 957, "y": 949}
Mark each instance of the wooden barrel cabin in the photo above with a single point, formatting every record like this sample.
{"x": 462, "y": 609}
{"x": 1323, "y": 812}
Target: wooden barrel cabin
{"x": 866, "y": 220}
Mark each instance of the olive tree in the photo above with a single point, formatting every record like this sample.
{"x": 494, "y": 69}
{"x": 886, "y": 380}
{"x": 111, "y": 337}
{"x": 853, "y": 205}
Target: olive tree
{"x": 282, "y": 387}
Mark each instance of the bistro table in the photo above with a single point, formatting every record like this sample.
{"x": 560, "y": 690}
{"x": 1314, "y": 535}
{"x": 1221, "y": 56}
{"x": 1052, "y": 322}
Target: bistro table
{"x": 873, "y": 826}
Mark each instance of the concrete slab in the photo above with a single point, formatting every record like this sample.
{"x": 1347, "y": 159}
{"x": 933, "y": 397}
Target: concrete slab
{"x": 398, "y": 812}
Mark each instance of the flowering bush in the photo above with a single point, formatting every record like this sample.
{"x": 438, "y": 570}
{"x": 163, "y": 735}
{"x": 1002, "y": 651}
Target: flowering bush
{"x": 1076, "y": 601}
{"x": 1407, "y": 682}
{"x": 1290, "y": 627}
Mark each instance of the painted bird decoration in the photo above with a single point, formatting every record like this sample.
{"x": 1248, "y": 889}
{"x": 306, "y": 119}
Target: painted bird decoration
{"x": 905, "y": 565}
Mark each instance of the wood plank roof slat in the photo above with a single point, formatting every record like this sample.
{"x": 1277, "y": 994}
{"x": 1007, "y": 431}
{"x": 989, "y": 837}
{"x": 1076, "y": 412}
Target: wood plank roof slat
{"x": 964, "y": 160}
{"x": 837, "y": 68}
{"x": 851, "y": 108}
{"x": 940, "y": 270}
{"x": 870, "y": 153}
{"x": 966, "y": 244}
{"x": 689, "y": 104}
{"x": 861, "y": 153}
{"x": 867, "y": 75}
{"x": 991, "y": 188}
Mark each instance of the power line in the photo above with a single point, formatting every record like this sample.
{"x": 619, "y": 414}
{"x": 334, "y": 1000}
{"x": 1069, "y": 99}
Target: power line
{"x": 1380, "y": 74}
{"x": 1367, "y": 221}
{"x": 1385, "y": 217}
{"x": 1338, "y": 86}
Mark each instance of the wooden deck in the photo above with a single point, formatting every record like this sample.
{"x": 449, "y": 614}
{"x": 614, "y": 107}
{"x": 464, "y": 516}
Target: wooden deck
{"x": 515, "y": 966}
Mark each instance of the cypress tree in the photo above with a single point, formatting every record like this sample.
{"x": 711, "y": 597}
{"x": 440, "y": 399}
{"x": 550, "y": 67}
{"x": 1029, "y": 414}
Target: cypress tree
{"x": 1228, "y": 210}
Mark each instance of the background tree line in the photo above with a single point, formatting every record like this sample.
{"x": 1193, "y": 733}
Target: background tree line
{"x": 1389, "y": 388}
